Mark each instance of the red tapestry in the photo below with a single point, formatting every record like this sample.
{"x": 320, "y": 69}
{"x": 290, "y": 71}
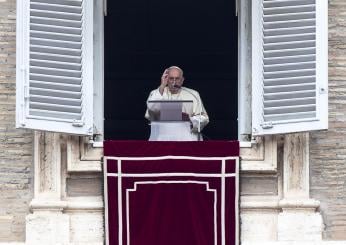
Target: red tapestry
{"x": 170, "y": 193}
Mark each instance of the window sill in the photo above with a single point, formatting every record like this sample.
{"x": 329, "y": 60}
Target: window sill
{"x": 242, "y": 144}
{"x": 246, "y": 144}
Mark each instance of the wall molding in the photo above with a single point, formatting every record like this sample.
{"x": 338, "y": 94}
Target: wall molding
{"x": 261, "y": 157}
{"x": 82, "y": 156}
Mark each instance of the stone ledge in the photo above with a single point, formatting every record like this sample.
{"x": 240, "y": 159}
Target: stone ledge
{"x": 83, "y": 204}
{"x": 294, "y": 243}
{"x": 249, "y": 205}
{"x": 297, "y": 204}
{"x": 47, "y": 205}
{"x": 12, "y": 243}
{"x": 77, "y": 243}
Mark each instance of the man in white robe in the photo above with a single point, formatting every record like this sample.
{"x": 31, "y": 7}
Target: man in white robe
{"x": 171, "y": 89}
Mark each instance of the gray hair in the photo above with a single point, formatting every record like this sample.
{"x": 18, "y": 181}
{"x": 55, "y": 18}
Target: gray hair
{"x": 177, "y": 68}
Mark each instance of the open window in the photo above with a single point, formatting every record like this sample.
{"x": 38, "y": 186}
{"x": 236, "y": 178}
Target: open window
{"x": 142, "y": 38}
{"x": 60, "y": 64}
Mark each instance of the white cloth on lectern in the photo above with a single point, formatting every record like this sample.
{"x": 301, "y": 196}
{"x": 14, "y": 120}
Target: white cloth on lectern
{"x": 196, "y": 112}
{"x": 172, "y": 131}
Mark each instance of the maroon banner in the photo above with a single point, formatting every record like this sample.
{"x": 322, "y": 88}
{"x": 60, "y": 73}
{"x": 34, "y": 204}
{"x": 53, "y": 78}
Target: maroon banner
{"x": 165, "y": 193}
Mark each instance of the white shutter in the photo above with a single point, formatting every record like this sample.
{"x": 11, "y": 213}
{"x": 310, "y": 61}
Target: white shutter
{"x": 289, "y": 66}
{"x": 55, "y": 65}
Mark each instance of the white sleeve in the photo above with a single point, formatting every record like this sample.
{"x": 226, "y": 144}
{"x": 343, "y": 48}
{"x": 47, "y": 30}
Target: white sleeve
{"x": 155, "y": 95}
{"x": 200, "y": 118}
{"x": 199, "y": 121}
{"x": 152, "y": 107}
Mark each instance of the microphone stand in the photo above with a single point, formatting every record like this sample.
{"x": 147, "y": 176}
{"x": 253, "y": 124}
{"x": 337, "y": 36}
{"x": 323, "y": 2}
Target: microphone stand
{"x": 199, "y": 105}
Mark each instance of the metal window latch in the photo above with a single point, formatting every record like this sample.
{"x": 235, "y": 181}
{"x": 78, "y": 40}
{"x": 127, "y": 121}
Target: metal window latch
{"x": 267, "y": 125}
{"x": 78, "y": 123}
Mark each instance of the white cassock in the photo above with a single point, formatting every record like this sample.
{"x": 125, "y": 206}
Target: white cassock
{"x": 174, "y": 131}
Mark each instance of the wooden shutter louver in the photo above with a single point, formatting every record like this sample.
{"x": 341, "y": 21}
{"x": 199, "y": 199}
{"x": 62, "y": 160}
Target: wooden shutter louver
{"x": 58, "y": 84}
{"x": 289, "y": 70}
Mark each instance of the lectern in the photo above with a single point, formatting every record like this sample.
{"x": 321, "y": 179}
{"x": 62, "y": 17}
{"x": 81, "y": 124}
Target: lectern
{"x": 168, "y": 122}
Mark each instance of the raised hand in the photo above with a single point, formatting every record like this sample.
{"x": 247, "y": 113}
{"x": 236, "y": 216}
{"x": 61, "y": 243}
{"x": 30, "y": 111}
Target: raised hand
{"x": 164, "y": 81}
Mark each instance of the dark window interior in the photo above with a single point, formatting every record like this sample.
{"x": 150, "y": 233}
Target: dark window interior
{"x": 143, "y": 37}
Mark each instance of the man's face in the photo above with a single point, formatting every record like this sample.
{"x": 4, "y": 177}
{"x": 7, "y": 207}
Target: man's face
{"x": 175, "y": 80}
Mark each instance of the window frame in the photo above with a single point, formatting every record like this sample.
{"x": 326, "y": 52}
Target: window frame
{"x": 244, "y": 72}
{"x": 243, "y": 10}
{"x": 99, "y": 14}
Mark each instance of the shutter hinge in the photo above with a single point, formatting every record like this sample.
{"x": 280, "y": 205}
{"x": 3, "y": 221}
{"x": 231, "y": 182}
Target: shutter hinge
{"x": 267, "y": 125}
{"x": 78, "y": 123}
{"x": 323, "y": 90}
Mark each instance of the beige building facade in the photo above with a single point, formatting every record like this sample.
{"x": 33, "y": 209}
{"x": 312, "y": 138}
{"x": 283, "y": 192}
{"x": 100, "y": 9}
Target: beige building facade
{"x": 293, "y": 188}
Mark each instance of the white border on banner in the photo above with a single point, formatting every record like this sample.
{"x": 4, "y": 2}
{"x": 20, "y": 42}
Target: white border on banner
{"x": 223, "y": 175}
{"x": 170, "y": 182}
{"x": 223, "y": 186}
{"x": 120, "y": 205}
{"x": 105, "y": 193}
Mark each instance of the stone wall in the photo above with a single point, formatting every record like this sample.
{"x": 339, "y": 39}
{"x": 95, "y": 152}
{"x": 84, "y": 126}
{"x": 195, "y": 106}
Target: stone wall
{"x": 15, "y": 145}
{"x": 328, "y": 149}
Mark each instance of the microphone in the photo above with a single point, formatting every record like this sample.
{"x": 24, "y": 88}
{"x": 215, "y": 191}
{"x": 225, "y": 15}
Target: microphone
{"x": 199, "y": 105}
